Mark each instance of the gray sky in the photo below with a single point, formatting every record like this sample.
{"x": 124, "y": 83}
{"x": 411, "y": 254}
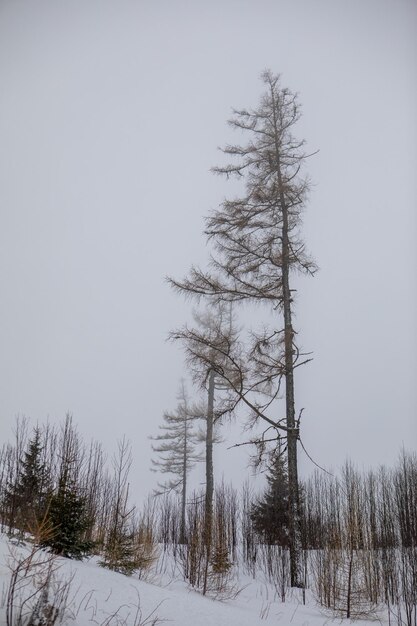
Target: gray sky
{"x": 110, "y": 118}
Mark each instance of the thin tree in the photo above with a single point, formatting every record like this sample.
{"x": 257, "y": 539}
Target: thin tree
{"x": 176, "y": 451}
{"x": 120, "y": 553}
{"x": 258, "y": 248}
{"x": 14, "y": 463}
{"x": 216, "y": 323}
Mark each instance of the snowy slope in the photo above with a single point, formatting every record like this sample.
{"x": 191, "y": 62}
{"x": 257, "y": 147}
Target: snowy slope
{"x": 98, "y": 596}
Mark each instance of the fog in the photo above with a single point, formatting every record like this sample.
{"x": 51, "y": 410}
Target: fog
{"x": 111, "y": 114}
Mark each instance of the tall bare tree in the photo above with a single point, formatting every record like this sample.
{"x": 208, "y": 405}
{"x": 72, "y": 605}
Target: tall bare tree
{"x": 258, "y": 247}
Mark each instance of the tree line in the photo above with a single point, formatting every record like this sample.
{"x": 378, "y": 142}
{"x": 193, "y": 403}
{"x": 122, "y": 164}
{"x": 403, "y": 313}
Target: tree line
{"x": 68, "y": 497}
{"x": 358, "y": 529}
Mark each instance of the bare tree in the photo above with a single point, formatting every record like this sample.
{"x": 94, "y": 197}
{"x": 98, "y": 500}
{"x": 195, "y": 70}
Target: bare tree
{"x": 176, "y": 451}
{"x": 215, "y": 324}
{"x": 14, "y": 466}
{"x": 257, "y": 248}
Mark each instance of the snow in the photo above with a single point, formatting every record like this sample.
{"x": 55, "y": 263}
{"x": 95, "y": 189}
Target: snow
{"x": 99, "y": 596}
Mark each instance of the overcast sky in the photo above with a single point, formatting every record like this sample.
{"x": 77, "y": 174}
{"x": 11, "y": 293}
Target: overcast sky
{"x": 110, "y": 118}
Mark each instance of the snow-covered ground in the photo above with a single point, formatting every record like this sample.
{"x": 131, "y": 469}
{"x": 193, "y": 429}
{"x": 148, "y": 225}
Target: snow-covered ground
{"x": 99, "y": 596}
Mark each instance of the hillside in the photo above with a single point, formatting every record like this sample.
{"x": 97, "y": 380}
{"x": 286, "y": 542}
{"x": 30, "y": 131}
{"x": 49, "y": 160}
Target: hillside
{"x": 99, "y": 596}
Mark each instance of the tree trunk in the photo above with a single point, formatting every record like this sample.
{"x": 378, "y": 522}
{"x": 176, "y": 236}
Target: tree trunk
{"x": 208, "y": 520}
{"x": 208, "y": 513}
{"x": 294, "y": 529}
{"x": 292, "y": 436}
{"x": 184, "y": 487}
{"x": 292, "y": 432}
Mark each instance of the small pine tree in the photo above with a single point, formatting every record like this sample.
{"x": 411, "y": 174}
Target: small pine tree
{"x": 128, "y": 550}
{"x": 220, "y": 562}
{"x": 68, "y": 522}
{"x": 121, "y": 549}
{"x": 67, "y": 513}
{"x": 270, "y": 514}
{"x": 29, "y": 495}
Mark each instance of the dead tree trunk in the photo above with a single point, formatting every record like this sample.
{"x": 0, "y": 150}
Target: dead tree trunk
{"x": 184, "y": 487}
{"x": 208, "y": 518}
{"x": 294, "y": 529}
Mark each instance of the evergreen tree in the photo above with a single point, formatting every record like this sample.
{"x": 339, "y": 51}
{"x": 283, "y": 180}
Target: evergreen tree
{"x": 270, "y": 514}
{"x": 121, "y": 552}
{"x": 68, "y": 522}
{"x": 67, "y": 515}
{"x": 28, "y": 496}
